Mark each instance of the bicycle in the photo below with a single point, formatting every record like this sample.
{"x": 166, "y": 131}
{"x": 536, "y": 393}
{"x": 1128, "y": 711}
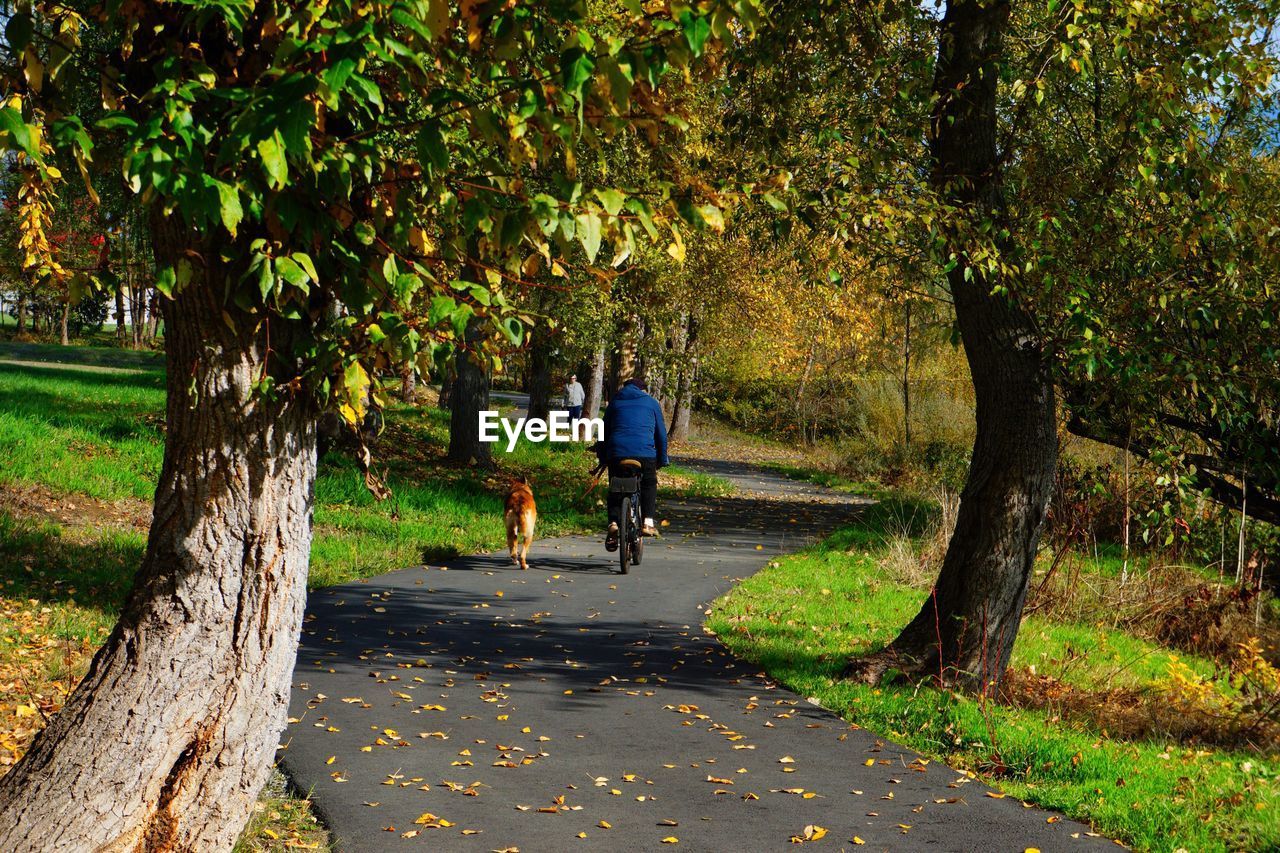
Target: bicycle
{"x": 630, "y": 525}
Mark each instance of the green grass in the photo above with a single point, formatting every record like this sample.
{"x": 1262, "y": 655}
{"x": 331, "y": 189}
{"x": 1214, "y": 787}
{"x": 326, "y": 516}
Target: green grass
{"x": 699, "y": 484}
{"x": 801, "y": 617}
{"x": 78, "y": 432}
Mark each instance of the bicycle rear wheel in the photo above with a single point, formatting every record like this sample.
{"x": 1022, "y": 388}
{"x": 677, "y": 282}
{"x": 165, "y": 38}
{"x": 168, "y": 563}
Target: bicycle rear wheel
{"x": 624, "y": 535}
{"x": 637, "y": 531}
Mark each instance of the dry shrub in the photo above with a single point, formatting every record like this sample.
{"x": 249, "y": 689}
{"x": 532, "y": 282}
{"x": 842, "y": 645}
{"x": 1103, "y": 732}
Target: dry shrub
{"x": 1173, "y": 605}
{"x": 1212, "y": 619}
{"x": 914, "y": 559}
{"x": 1236, "y": 711}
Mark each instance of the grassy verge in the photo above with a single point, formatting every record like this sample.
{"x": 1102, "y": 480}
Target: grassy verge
{"x": 82, "y": 441}
{"x": 801, "y": 617}
{"x": 830, "y": 480}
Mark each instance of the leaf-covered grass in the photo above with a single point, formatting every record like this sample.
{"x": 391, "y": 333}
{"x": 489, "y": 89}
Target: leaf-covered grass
{"x": 803, "y": 615}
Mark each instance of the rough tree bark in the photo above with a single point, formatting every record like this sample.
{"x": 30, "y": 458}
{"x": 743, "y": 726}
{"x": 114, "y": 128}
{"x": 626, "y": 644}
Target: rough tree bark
{"x": 683, "y": 407}
{"x": 627, "y": 355}
{"x": 64, "y": 324}
{"x": 540, "y": 384}
{"x": 153, "y": 318}
{"x": 166, "y": 742}
{"x": 22, "y": 315}
{"x": 595, "y": 385}
{"x": 469, "y": 395}
{"x": 965, "y": 631}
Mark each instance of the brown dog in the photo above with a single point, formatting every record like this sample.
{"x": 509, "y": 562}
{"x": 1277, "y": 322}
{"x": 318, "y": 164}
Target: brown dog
{"x": 521, "y": 514}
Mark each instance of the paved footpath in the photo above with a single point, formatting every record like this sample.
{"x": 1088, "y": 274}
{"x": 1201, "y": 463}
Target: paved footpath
{"x": 477, "y": 707}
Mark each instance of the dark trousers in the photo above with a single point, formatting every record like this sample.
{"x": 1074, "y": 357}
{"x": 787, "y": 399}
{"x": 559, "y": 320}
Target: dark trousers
{"x": 648, "y": 489}
{"x": 575, "y": 412}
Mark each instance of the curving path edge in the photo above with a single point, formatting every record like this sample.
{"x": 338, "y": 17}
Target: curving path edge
{"x": 472, "y": 706}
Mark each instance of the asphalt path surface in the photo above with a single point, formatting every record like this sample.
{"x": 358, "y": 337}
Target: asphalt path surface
{"x": 474, "y": 706}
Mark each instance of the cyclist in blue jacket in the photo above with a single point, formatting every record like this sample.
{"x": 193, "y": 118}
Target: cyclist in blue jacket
{"x": 634, "y": 429}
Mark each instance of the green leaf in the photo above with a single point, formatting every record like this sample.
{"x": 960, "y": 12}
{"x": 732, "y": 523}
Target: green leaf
{"x": 11, "y": 122}
{"x": 589, "y": 233}
{"x": 775, "y": 202}
{"x": 304, "y": 260}
{"x": 514, "y": 329}
{"x": 612, "y": 200}
{"x": 274, "y": 164}
{"x": 18, "y": 33}
{"x": 166, "y": 279}
{"x": 576, "y": 68}
{"x": 432, "y": 150}
{"x": 696, "y": 29}
{"x": 229, "y": 202}
{"x": 115, "y": 121}
{"x": 292, "y": 273}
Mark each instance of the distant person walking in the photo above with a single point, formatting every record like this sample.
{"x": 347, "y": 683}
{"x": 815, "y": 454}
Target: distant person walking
{"x": 574, "y": 397}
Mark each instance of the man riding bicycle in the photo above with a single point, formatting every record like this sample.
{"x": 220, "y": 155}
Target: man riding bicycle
{"x": 634, "y": 431}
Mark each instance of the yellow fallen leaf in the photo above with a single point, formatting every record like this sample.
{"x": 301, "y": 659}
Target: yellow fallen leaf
{"x": 671, "y": 839}
{"x": 813, "y": 832}
{"x": 604, "y": 824}
{"x": 331, "y": 759}
{"x": 993, "y": 795}
{"x": 857, "y": 840}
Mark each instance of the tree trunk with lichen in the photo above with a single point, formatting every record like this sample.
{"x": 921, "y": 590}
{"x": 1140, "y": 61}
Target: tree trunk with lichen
{"x": 965, "y": 631}
{"x": 595, "y": 385}
{"x": 468, "y": 396}
{"x": 166, "y": 742}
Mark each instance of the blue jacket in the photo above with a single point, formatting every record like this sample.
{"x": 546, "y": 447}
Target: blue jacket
{"x": 634, "y": 427}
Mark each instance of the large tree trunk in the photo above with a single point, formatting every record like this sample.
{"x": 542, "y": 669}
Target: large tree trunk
{"x": 595, "y": 385}
{"x": 166, "y": 742}
{"x": 22, "y": 315}
{"x": 627, "y": 356}
{"x": 965, "y": 631}
{"x": 683, "y": 407}
{"x": 469, "y": 395}
{"x": 540, "y": 385}
{"x": 64, "y": 324}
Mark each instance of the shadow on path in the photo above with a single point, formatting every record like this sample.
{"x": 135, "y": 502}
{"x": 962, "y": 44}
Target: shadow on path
{"x": 567, "y": 705}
